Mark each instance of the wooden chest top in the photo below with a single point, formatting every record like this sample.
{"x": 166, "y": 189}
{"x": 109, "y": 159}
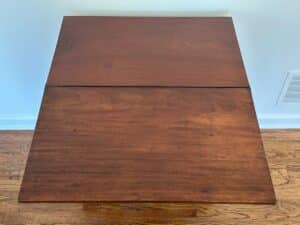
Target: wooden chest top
{"x": 147, "y": 110}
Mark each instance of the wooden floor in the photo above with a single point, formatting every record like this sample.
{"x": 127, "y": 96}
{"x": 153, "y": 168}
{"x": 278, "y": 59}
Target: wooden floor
{"x": 282, "y": 150}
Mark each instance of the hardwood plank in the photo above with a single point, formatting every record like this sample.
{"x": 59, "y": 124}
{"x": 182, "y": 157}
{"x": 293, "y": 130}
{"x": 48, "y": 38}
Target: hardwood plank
{"x": 282, "y": 148}
{"x": 131, "y": 51}
{"x": 147, "y": 144}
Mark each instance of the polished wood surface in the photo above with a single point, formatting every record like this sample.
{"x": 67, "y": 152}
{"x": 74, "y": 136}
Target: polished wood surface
{"x": 124, "y": 51}
{"x": 147, "y": 110}
{"x": 282, "y": 150}
{"x": 147, "y": 144}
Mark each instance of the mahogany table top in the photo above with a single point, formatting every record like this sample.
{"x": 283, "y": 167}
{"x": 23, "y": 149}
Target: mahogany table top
{"x": 147, "y": 110}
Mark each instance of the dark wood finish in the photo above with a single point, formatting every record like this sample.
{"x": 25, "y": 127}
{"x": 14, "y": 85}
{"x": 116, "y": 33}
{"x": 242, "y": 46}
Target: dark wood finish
{"x": 124, "y": 51}
{"x": 179, "y": 141}
{"x": 147, "y": 144}
{"x": 283, "y": 153}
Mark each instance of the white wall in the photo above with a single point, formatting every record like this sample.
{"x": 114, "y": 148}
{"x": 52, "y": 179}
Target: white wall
{"x": 268, "y": 33}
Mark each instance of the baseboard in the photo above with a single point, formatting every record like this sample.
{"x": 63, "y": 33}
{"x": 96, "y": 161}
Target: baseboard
{"x": 279, "y": 121}
{"x": 17, "y": 122}
{"x": 266, "y": 121}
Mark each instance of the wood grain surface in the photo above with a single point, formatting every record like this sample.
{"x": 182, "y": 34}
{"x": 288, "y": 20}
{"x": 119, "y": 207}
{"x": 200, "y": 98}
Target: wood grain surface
{"x": 283, "y": 153}
{"x": 147, "y": 144}
{"x": 130, "y": 51}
